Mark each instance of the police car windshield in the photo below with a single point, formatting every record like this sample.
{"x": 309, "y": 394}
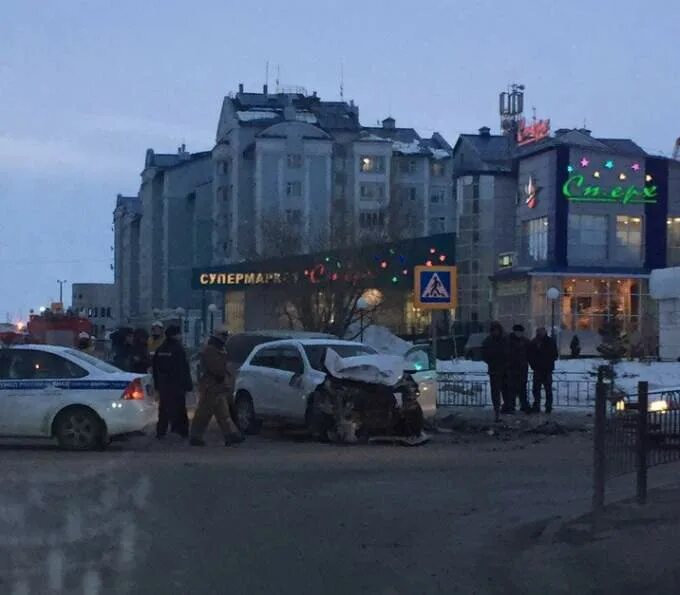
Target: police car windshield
{"x": 93, "y": 361}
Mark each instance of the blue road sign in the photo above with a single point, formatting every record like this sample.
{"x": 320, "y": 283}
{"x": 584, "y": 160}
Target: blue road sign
{"x": 435, "y": 287}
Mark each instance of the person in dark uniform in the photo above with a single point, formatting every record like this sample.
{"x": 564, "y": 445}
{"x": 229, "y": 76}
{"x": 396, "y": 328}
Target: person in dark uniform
{"x": 517, "y": 374}
{"x": 542, "y": 356}
{"x": 172, "y": 380}
{"x": 121, "y": 341}
{"x": 141, "y": 362}
{"x": 495, "y": 354}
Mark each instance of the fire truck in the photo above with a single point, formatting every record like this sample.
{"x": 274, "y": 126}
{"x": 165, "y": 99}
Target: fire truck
{"x": 56, "y": 327}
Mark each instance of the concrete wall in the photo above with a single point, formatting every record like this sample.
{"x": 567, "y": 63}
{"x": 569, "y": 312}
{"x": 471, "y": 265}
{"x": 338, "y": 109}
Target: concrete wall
{"x": 96, "y": 301}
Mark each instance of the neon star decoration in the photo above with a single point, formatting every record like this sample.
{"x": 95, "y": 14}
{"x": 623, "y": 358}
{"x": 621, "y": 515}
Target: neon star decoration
{"x": 648, "y": 178}
{"x": 622, "y": 176}
{"x": 585, "y": 162}
{"x": 596, "y": 174}
{"x": 635, "y": 167}
{"x": 609, "y": 164}
{"x": 570, "y": 168}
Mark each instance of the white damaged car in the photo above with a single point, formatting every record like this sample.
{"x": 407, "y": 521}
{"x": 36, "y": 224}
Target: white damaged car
{"x": 340, "y": 390}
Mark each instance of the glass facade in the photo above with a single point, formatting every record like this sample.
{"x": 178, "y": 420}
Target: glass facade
{"x": 535, "y": 239}
{"x": 628, "y": 246}
{"x": 587, "y": 238}
{"x": 673, "y": 241}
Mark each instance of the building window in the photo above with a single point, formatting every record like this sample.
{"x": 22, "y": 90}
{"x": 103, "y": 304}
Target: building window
{"x": 587, "y": 237}
{"x": 505, "y": 260}
{"x": 372, "y": 191}
{"x": 371, "y": 219}
{"x": 408, "y": 166}
{"x": 628, "y": 238}
{"x": 294, "y": 189}
{"x": 437, "y": 224}
{"x": 437, "y": 169}
{"x": 409, "y": 193}
{"x": 535, "y": 233}
{"x": 673, "y": 241}
{"x": 475, "y": 186}
{"x": 293, "y": 216}
{"x": 108, "y": 312}
{"x": 438, "y": 196}
{"x": 372, "y": 164}
{"x": 294, "y": 160}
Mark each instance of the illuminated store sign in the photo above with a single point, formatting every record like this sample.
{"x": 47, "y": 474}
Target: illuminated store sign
{"x": 576, "y": 189}
{"x": 530, "y": 133}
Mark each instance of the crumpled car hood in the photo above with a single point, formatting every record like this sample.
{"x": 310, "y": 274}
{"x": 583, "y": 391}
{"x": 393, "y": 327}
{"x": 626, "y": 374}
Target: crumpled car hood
{"x": 387, "y": 370}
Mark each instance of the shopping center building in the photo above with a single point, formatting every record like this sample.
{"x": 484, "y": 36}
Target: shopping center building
{"x": 592, "y": 218}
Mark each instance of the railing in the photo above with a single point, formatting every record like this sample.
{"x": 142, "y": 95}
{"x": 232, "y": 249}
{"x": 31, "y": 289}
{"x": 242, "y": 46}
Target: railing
{"x": 633, "y": 434}
{"x": 473, "y": 390}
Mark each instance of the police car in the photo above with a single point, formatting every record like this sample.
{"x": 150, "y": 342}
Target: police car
{"x": 61, "y": 393}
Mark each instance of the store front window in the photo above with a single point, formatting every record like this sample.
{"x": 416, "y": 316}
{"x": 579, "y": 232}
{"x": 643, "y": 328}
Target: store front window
{"x": 673, "y": 241}
{"x": 628, "y": 247}
{"x": 587, "y": 238}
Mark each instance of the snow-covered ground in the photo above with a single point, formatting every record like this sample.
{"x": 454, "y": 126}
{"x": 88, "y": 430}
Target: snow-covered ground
{"x": 660, "y": 375}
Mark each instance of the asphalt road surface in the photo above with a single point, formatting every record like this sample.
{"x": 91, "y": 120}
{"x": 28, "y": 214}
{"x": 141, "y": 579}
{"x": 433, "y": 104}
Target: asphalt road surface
{"x": 281, "y": 515}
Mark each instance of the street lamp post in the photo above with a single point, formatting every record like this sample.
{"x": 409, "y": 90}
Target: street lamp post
{"x": 212, "y": 308}
{"x": 61, "y": 290}
{"x": 553, "y": 294}
{"x": 362, "y": 306}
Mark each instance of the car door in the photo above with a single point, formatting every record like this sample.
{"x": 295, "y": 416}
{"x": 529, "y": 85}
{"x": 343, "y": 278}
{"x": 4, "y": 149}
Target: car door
{"x": 260, "y": 378}
{"x": 37, "y": 385}
{"x": 289, "y": 398}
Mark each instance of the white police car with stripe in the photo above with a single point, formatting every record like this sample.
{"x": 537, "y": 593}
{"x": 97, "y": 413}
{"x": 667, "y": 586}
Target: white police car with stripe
{"x": 56, "y": 392}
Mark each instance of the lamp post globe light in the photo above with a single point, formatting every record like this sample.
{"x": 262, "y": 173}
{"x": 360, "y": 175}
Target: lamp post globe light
{"x": 212, "y": 308}
{"x": 362, "y": 306}
{"x": 553, "y": 294}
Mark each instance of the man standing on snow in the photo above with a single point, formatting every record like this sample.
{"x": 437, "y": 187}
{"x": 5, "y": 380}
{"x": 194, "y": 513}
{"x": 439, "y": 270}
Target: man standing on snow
{"x": 495, "y": 354}
{"x": 156, "y": 338}
{"x": 542, "y": 356}
{"x": 214, "y": 393}
{"x": 172, "y": 380}
{"x": 518, "y": 371}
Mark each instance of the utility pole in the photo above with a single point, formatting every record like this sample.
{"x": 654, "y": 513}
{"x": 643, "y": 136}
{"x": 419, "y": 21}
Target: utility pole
{"x": 61, "y": 290}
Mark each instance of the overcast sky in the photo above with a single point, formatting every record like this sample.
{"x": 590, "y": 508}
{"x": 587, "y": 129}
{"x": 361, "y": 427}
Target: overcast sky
{"x": 87, "y": 86}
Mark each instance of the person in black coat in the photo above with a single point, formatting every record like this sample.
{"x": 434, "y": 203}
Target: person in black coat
{"x": 518, "y": 371}
{"x": 122, "y": 343}
{"x": 495, "y": 354}
{"x": 141, "y": 362}
{"x": 542, "y": 357}
{"x": 172, "y": 380}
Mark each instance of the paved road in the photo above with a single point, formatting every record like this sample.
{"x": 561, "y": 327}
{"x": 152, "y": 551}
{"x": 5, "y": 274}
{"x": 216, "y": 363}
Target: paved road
{"x": 279, "y": 515}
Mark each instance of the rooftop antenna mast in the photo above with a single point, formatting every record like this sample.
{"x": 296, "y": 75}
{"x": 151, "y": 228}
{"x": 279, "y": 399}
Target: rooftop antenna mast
{"x": 266, "y": 73}
{"x": 278, "y": 76}
{"x": 342, "y": 82}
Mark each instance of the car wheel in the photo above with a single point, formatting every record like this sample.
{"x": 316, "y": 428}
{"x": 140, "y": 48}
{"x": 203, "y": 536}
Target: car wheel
{"x": 244, "y": 414}
{"x": 319, "y": 423}
{"x": 79, "y": 428}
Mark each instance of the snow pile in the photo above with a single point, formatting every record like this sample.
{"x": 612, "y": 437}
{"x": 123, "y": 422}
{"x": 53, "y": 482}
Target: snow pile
{"x": 380, "y": 338}
{"x": 307, "y": 117}
{"x": 440, "y": 153}
{"x": 660, "y": 375}
{"x": 372, "y": 138}
{"x": 247, "y": 116}
{"x": 412, "y": 148}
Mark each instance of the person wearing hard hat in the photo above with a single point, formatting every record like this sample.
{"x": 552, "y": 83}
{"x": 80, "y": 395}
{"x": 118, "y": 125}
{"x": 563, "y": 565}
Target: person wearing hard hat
{"x": 156, "y": 339}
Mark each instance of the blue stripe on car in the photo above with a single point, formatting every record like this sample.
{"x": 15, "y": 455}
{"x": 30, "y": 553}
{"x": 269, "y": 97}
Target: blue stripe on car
{"x": 64, "y": 384}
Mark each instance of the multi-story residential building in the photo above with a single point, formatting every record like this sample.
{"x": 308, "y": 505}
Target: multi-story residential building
{"x": 96, "y": 302}
{"x": 127, "y": 219}
{"x": 289, "y": 174}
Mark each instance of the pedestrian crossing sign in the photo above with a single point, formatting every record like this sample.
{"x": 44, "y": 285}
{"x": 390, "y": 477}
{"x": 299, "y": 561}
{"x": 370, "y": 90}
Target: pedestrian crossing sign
{"x": 436, "y": 287}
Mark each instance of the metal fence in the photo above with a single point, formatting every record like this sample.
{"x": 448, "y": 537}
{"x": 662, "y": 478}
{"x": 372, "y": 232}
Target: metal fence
{"x": 473, "y": 390}
{"x": 633, "y": 434}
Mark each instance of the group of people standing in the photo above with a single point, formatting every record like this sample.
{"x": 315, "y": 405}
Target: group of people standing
{"x": 163, "y": 355}
{"x": 508, "y": 358}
